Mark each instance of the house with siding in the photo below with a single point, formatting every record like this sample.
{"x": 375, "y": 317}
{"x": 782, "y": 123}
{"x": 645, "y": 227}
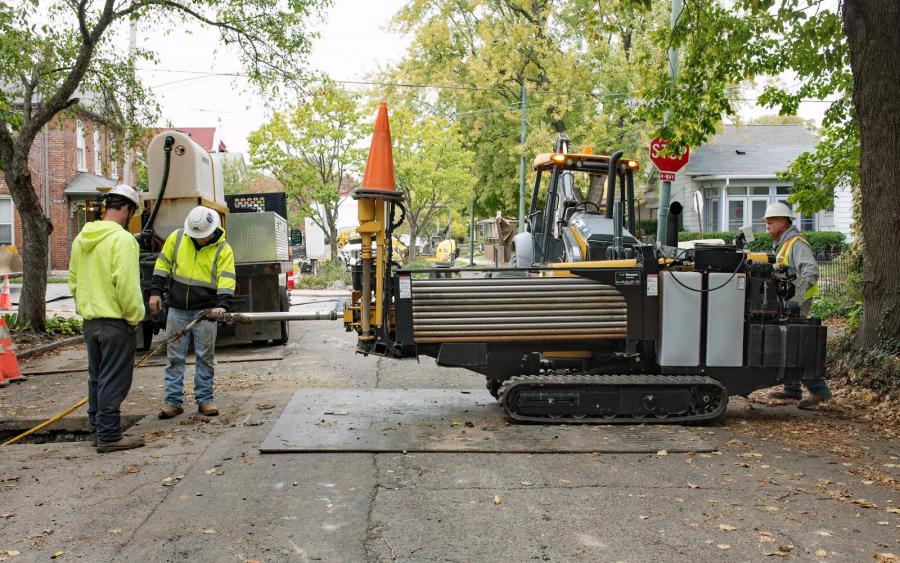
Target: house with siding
{"x": 736, "y": 174}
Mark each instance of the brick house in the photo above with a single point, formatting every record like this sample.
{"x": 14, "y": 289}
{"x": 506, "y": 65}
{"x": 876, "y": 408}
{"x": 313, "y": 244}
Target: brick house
{"x": 70, "y": 158}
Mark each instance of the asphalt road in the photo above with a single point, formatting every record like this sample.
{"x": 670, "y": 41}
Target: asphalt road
{"x": 781, "y": 485}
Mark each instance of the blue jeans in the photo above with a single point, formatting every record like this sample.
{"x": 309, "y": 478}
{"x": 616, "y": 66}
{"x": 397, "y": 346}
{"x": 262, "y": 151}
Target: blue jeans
{"x": 204, "y": 337}
{"x": 817, "y": 386}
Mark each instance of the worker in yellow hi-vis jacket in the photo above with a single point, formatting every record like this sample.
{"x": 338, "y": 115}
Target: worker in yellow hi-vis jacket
{"x": 792, "y": 249}
{"x": 105, "y": 280}
{"x": 196, "y": 269}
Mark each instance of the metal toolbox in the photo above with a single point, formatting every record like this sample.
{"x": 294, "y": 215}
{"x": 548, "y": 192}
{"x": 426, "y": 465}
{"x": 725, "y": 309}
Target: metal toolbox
{"x": 257, "y": 237}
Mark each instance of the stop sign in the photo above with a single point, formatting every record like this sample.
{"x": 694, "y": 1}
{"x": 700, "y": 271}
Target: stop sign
{"x": 667, "y": 163}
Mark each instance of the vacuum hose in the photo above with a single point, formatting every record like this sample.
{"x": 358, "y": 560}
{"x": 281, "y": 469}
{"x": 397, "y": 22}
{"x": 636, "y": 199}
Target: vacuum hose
{"x": 147, "y": 230}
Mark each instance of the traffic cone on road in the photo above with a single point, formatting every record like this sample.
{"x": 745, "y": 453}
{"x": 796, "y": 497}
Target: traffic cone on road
{"x": 290, "y": 281}
{"x": 5, "y": 297}
{"x": 9, "y": 366}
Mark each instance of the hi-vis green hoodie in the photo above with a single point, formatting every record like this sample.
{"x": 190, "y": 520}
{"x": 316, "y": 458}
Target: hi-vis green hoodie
{"x": 104, "y": 275}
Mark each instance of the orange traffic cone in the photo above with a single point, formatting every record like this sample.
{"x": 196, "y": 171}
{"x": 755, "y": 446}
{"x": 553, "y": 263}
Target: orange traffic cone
{"x": 290, "y": 281}
{"x": 9, "y": 366}
{"x": 5, "y": 297}
{"x": 379, "y": 175}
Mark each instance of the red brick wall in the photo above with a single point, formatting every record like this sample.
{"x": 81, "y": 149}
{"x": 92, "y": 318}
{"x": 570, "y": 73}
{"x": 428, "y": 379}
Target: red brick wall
{"x": 62, "y": 169}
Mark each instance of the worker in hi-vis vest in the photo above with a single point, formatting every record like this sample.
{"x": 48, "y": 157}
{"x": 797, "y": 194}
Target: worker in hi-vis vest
{"x": 792, "y": 249}
{"x": 196, "y": 270}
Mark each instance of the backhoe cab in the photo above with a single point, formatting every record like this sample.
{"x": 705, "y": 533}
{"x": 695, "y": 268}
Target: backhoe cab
{"x": 577, "y": 223}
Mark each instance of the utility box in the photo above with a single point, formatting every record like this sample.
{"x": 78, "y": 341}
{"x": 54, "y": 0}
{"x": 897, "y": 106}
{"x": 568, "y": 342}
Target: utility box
{"x": 725, "y": 320}
{"x": 680, "y": 295}
{"x": 257, "y": 237}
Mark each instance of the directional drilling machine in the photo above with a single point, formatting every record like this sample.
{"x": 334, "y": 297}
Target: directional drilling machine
{"x": 592, "y": 325}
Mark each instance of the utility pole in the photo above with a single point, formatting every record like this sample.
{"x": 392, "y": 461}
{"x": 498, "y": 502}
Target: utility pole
{"x": 472, "y": 231}
{"x": 522, "y": 163}
{"x": 665, "y": 191}
{"x": 129, "y": 115}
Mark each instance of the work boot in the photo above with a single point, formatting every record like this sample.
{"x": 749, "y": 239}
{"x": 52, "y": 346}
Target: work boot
{"x": 785, "y": 395}
{"x": 123, "y": 443}
{"x": 814, "y": 399}
{"x": 208, "y": 409}
{"x": 170, "y": 411}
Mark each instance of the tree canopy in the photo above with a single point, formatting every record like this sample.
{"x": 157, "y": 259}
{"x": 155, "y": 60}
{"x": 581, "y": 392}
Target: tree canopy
{"x": 58, "y": 53}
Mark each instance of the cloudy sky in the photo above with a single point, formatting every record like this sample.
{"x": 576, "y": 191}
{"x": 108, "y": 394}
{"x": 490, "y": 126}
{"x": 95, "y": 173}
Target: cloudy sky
{"x": 354, "y": 41}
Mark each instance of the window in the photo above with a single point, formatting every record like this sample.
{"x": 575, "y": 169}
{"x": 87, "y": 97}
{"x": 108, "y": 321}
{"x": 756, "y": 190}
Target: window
{"x": 6, "y": 221}
{"x": 114, "y": 160}
{"x": 711, "y": 209}
{"x": 97, "y": 169}
{"x": 80, "y": 148}
{"x": 735, "y": 213}
{"x": 737, "y": 190}
{"x": 757, "y": 210}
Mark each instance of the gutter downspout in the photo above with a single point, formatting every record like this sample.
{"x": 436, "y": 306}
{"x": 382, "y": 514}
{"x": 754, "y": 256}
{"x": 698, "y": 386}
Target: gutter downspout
{"x": 45, "y": 189}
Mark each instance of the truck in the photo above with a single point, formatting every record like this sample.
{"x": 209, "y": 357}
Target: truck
{"x": 182, "y": 175}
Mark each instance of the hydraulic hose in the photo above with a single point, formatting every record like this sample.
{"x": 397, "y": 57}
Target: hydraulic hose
{"x": 611, "y": 188}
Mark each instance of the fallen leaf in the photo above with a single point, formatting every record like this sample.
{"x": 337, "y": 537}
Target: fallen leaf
{"x": 771, "y": 509}
{"x": 751, "y": 454}
{"x": 883, "y": 523}
{"x": 132, "y": 469}
{"x": 821, "y": 553}
{"x": 865, "y": 503}
{"x": 893, "y": 510}
{"x": 885, "y": 557}
{"x": 766, "y": 537}
{"x": 782, "y": 551}
{"x": 693, "y": 486}
{"x": 644, "y": 517}
{"x": 824, "y": 533}
{"x": 209, "y": 531}
{"x": 724, "y": 546}
{"x": 210, "y": 471}
{"x": 7, "y": 553}
{"x": 57, "y": 554}
{"x": 727, "y": 528}
{"x": 868, "y": 482}
{"x": 526, "y": 483}
{"x": 497, "y": 500}
{"x": 662, "y": 452}
{"x": 115, "y": 531}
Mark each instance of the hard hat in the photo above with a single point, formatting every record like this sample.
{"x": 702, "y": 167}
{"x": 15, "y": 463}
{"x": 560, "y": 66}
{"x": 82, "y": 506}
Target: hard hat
{"x": 778, "y": 209}
{"x": 201, "y": 222}
{"x": 127, "y": 192}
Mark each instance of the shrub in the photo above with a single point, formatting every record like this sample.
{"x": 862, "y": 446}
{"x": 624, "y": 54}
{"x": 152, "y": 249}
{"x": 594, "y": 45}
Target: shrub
{"x": 329, "y": 272}
{"x": 820, "y": 241}
{"x": 647, "y": 226}
{"x": 64, "y": 326}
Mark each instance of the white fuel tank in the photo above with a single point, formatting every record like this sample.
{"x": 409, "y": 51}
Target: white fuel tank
{"x": 193, "y": 175}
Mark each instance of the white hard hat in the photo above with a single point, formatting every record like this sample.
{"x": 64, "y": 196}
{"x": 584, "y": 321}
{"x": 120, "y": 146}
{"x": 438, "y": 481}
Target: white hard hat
{"x": 201, "y": 222}
{"x": 127, "y": 192}
{"x": 778, "y": 209}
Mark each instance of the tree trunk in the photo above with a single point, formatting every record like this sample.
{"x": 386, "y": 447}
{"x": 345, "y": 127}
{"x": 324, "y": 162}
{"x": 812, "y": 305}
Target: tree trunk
{"x": 871, "y": 27}
{"x": 413, "y": 233}
{"x": 36, "y": 229}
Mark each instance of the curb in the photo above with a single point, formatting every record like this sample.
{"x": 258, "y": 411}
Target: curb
{"x": 49, "y": 347}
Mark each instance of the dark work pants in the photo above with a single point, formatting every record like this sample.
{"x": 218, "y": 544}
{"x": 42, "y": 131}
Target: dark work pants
{"x": 110, "y": 350}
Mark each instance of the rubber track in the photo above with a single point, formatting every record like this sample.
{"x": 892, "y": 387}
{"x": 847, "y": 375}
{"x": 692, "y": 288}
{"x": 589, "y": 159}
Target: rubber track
{"x": 544, "y": 381}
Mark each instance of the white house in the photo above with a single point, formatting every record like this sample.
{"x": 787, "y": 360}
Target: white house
{"x": 736, "y": 173}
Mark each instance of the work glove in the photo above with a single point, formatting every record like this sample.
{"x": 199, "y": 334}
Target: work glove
{"x": 155, "y": 304}
{"x": 215, "y": 313}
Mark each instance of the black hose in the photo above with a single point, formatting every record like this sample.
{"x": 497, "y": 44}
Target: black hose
{"x": 629, "y": 178}
{"x": 611, "y": 188}
{"x": 148, "y": 226}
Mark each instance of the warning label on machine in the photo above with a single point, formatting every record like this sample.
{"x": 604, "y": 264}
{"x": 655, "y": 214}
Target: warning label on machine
{"x": 652, "y": 285}
{"x": 405, "y": 287}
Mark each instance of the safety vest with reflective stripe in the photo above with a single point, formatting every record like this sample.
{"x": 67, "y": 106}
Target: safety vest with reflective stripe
{"x": 197, "y": 278}
{"x": 782, "y": 258}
